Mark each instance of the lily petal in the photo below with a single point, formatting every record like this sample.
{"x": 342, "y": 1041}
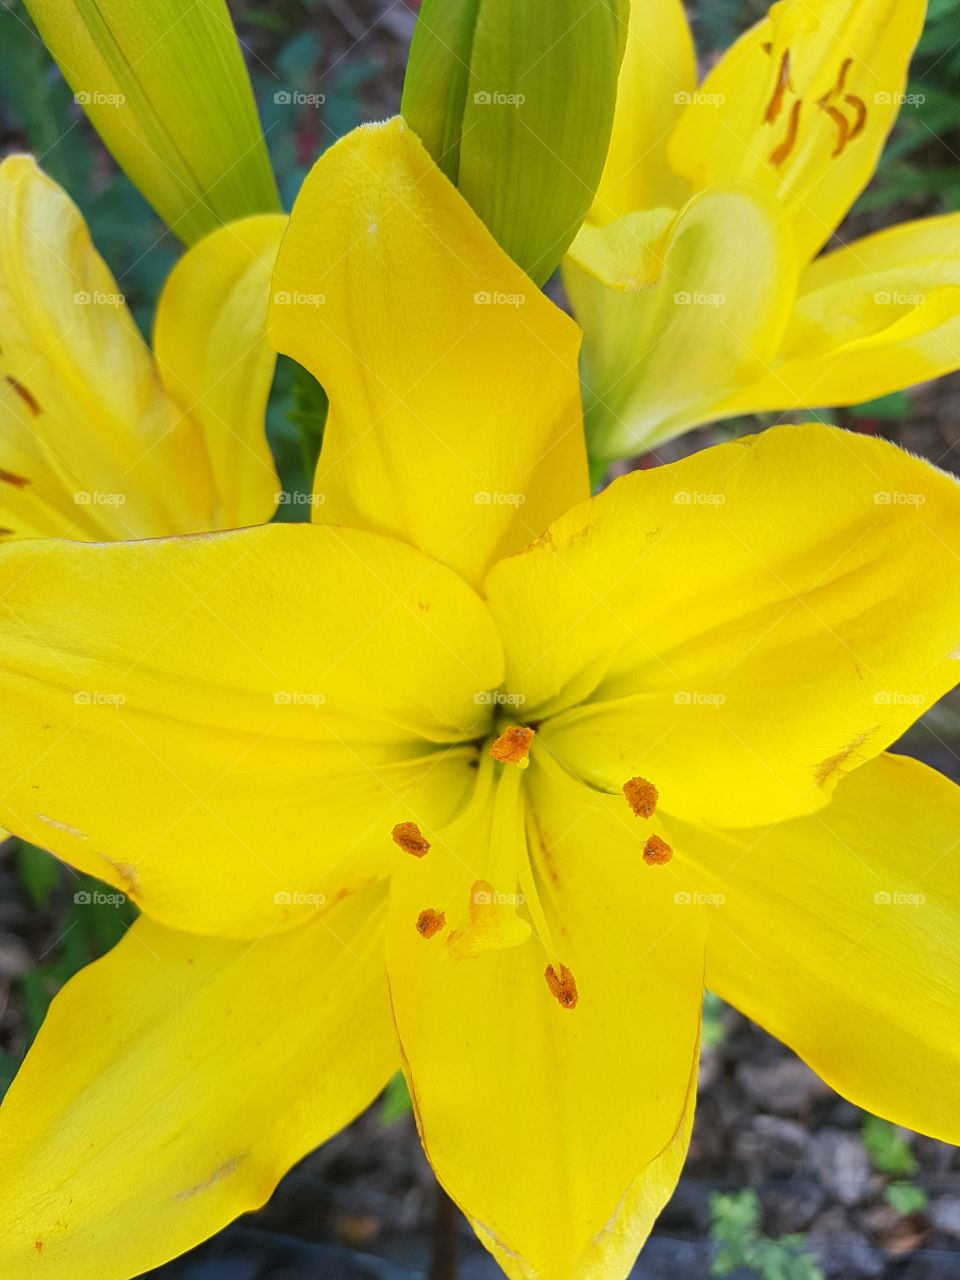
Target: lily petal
{"x": 504, "y": 1077}
{"x": 210, "y": 341}
{"x": 801, "y": 105}
{"x": 743, "y": 627}
{"x": 228, "y": 726}
{"x": 838, "y": 933}
{"x": 454, "y": 404}
{"x": 185, "y": 1089}
{"x": 873, "y": 317}
{"x": 91, "y": 444}
{"x": 658, "y": 76}
{"x": 717, "y": 279}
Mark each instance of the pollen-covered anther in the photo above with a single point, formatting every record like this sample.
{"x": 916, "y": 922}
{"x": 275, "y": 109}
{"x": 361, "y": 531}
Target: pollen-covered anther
{"x": 641, "y": 796}
{"x": 410, "y": 839}
{"x": 563, "y": 986}
{"x": 430, "y": 922}
{"x": 656, "y": 852}
{"x": 513, "y": 745}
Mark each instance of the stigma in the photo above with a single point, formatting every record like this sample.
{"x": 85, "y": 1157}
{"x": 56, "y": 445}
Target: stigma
{"x": 410, "y": 839}
{"x": 513, "y": 746}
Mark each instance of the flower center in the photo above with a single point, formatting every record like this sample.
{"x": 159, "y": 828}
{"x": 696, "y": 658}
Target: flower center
{"x": 847, "y": 111}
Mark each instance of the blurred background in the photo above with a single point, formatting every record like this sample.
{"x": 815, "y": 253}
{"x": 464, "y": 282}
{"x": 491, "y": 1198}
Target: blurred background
{"x": 785, "y": 1180}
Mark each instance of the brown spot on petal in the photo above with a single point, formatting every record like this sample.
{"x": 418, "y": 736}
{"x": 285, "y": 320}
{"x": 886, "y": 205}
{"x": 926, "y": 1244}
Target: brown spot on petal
{"x": 825, "y": 770}
{"x": 563, "y": 987}
{"x": 656, "y": 852}
{"x": 641, "y": 796}
{"x": 411, "y": 839}
{"x": 430, "y": 922}
{"x": 780, "y": 153}
{"x": 26, "y": 396}
{"x": 513, "y": 745}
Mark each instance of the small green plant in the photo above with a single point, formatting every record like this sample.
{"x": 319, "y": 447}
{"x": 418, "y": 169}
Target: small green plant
{"x": 887, "y": 1149}
{"x": 906, "y": 1198}
{"x": 735, "y": 1229}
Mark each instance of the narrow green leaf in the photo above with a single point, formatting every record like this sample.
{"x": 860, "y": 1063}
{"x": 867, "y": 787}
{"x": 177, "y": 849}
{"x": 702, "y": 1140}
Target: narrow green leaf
{"x": 166, "y": 87}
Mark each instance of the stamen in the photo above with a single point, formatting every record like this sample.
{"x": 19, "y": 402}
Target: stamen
{"x": 780, "y": 153}
{"x": 28, "y": 398}
{"x": 410, "y": 839}
{"x": 775, "y": 105}
{"x": 641, "y": 796}
{"x": 10, "y": 477}
{"x": 430, "y": 922}
{"x": 656, "y": 852}
{"x": 513, "y": 745}
{"x": 563, "y": 986}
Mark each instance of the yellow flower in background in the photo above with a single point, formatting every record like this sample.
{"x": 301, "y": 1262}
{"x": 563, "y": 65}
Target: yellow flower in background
{"x": 99, "y": 439}
{"x": 477, "y": 775}
{"x": 694, "y": 279}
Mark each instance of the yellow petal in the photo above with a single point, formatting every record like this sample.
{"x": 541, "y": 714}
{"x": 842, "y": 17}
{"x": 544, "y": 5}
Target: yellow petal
{"x": 226, "y": 727}
{"x": 211, "y": 347}
{"x": 676, "y": 311}
{"x": 801, "y": 105}
{"x": 838, "y": 933}
{"x": 92, "y": 446}
{"x": 166, "y": 87}
{"x": 190, "y": 1073}
{"x": 873, "y": 317}
{"x": 454, "y": 404}
{"x": 743, "y": 627}
{"x": 589, "y": 1107}
{"x": 658, "y": 76}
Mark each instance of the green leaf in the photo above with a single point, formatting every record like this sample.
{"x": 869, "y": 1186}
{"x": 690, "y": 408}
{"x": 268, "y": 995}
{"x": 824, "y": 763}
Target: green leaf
{"x": 515, "y": 103}
{"x": 166, "y": 88}
{"x": 906, "y": 1198}
{"x": 886, "y": 1148}
{"x": 396, "y": 1100}
{"x": 39, "y": 873}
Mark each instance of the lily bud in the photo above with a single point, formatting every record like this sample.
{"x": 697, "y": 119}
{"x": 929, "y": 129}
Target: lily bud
{"x": 515, "y": 103}
{"x": 165, "y": 86}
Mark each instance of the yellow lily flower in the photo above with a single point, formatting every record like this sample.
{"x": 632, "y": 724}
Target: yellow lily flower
{"x": 479, "y": 775}
{"x": 99, "y": 439}
{"x": 693, "y": 278}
